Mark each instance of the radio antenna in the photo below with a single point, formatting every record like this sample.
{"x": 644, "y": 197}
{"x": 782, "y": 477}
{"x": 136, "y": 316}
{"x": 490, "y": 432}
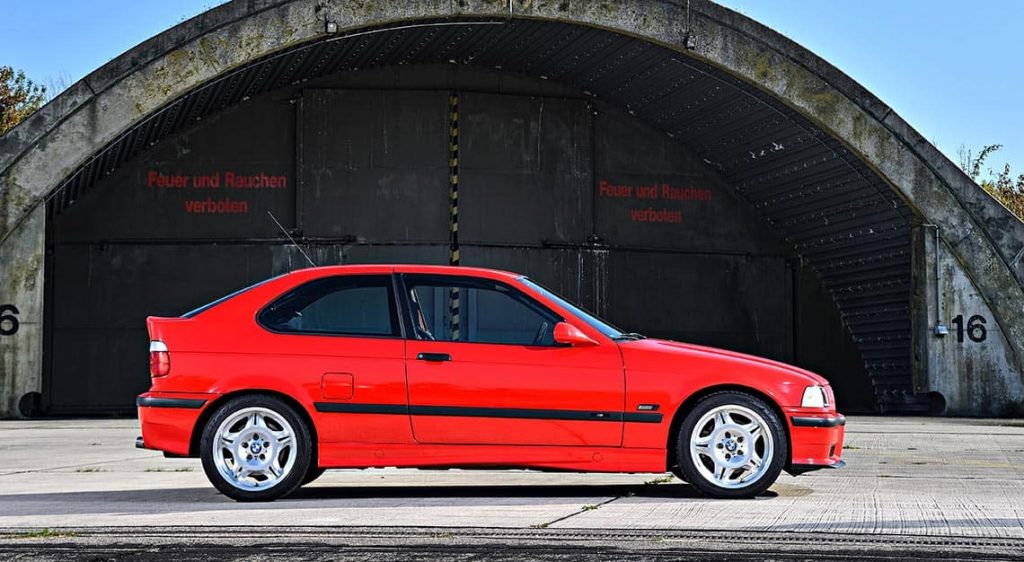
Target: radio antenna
{"x": 294, "y": 243}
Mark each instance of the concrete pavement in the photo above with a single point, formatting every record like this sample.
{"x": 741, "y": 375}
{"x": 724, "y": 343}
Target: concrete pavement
{"x": 938, "y": 480}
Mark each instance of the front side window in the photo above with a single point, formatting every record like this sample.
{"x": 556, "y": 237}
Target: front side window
{"x": 349, "y": 305}
{"x": 472, "y": 310}
{"x": 594, "y": 322}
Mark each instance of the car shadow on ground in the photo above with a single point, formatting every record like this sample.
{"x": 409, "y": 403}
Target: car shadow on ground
{"x": 170, "y": 500}
{"x": 664, "y": 491}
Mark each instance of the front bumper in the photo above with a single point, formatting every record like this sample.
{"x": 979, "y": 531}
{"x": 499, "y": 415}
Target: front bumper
{"x": 168, "y": 419}
{"x": 817, "y": 440}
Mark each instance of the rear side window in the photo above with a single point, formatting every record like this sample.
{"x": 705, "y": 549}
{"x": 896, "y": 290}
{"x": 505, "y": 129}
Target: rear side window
{"x": 349, "y": 305}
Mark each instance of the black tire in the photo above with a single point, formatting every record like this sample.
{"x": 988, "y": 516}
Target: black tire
{"x": 313, "y": 474}
{"x": 688, "y": 470}
{"x": 301, "y": 442}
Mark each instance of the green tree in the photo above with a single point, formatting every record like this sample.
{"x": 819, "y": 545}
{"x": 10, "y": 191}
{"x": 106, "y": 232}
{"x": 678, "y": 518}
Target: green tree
{"x": 1009, "y": 190}
{"x": 19, "y": 98}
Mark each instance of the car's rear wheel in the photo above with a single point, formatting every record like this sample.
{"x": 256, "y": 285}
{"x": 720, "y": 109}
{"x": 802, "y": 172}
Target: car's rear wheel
{"x": 731, "y": 445}
{"x": 256, "y": 448}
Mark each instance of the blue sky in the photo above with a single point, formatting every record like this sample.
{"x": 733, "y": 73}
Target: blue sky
{"x": 954, "y": 70}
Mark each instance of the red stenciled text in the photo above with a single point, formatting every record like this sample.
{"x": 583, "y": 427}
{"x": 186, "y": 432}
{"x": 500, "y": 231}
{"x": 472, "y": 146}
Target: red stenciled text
{"x": 209, "y": 182}
{"x": 656, "y": 215}
{"x": 216, "y": 206}
{"x": 656, "y": 191}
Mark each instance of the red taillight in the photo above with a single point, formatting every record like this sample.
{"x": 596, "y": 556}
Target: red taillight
{"x": 159, "y": 359}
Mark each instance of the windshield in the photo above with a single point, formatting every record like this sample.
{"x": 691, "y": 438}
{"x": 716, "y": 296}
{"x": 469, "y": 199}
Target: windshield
{"x": 594, "y": 322}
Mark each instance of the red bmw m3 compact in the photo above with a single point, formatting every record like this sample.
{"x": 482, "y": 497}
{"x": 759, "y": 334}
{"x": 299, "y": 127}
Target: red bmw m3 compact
{"x": 458, "y": 367}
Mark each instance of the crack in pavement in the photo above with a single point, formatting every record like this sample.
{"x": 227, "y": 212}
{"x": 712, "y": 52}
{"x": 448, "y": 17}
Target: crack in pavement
{"x": 584, "y": 509}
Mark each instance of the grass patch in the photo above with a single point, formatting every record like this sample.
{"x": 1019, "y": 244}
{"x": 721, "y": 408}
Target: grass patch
{"x": 590, "y": 507}
{"x": 162, "y": 469}
{"x": 660, "y": 480}
{"x": 90, "y": 469}
{"x": 46, "y": 533}
{"x": 539, "y": 526}
{"x": 851, "y": 448}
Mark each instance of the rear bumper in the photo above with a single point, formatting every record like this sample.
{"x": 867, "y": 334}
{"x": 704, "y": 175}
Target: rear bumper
{"x": 168, "y": 419}
{"x": 149, "y": 400}
{"x": 817, "y": 441}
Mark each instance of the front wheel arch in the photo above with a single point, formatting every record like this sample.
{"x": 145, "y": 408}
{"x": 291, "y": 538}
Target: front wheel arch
{"x": 692, "y": 400}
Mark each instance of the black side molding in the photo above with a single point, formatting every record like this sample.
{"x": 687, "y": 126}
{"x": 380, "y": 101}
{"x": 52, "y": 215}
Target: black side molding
{"x": 532, "y": 414}
{"x": 186, "y": 403}
{"x": 470, "y": 412}
{"x": 514, "y": 413}
{"x": 819, "y": 422}
{"x": 798, "y": 469}
{"x": 346, "y": 408}
{"x": 641, "y": 418}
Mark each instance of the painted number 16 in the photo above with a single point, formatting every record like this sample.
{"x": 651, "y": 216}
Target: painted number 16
{"x": 8, "y": 320}
{"x": 976, "y": 330}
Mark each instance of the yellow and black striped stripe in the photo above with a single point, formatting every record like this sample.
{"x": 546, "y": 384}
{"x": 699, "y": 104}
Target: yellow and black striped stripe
{"x": 453, "y": 204}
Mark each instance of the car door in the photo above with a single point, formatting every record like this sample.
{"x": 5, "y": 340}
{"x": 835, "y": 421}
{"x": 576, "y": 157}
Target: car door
{"x": 483, "y": 368}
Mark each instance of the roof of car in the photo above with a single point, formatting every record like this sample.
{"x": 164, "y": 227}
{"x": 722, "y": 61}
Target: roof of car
{"x": 411, "y": 268}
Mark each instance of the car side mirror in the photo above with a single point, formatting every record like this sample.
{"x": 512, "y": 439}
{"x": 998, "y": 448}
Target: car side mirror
{"x": 566, "y": 333}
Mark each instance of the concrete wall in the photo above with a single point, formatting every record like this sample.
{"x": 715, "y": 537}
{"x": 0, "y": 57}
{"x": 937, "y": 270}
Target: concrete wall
{"x": 983, "y": 238}
{"x": 21, "y": 306}
{"x": 963, "y": 350}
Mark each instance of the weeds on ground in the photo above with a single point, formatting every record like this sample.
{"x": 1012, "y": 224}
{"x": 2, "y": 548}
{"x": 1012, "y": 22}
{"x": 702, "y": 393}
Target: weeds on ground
{"x": 46, "y": 533}
{"x": 660, "y": 480}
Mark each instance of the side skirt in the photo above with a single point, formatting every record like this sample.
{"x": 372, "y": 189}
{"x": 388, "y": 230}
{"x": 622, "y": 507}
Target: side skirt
{"x": 580, "y": 459}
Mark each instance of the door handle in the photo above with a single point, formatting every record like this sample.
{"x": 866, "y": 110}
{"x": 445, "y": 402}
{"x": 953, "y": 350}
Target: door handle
{"x": 433, "y": 357}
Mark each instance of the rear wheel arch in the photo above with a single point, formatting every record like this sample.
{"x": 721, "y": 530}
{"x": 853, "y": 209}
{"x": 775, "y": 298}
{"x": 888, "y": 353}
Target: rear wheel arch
{"x": 213, "y": 406}
{"x": 693, "y": 399}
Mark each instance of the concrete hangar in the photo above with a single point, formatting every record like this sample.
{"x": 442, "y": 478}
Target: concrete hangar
{"x": 672, "y": 165}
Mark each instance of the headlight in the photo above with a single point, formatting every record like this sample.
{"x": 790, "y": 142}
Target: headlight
{"x": 814, "y": 397}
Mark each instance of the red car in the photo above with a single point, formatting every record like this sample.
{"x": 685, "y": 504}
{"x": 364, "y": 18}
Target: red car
{"x": 428, "y": 366}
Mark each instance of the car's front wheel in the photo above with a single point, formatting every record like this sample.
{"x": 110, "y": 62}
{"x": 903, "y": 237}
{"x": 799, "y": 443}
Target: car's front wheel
{"x": 256, "y": 448}
{"x": 731, "y": 445}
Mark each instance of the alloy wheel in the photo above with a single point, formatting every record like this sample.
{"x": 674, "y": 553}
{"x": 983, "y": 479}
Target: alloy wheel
{"x": 731, "y": 446}
{"x": 254, "y": 449}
